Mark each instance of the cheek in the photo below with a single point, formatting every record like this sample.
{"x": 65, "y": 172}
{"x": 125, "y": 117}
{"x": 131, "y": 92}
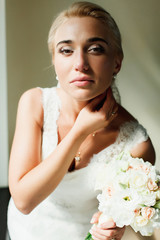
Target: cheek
{"x": 106, "y": 63}
{"x": 105, "y": 69}
{"x": 105, "y": 73}
{"x": 59, "y": 68}
{"x": 62, "y": 67}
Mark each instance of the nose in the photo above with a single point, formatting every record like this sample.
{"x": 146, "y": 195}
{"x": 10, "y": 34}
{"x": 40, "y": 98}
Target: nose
{"x": 81, "y": 62}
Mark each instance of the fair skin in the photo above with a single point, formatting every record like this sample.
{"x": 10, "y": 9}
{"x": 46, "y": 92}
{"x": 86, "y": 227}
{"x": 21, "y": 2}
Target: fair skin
{"x": 89, "y": 63}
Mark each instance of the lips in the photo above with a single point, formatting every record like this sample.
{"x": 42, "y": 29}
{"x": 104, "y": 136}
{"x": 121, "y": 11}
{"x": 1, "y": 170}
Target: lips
{"x": 82, "y": 79}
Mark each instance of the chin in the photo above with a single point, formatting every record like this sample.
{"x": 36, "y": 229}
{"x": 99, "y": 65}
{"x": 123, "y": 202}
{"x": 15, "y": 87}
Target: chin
{"x": 83, "y": 94}
{"x": 82, "y": 98}
{"x": 86, "y": 96}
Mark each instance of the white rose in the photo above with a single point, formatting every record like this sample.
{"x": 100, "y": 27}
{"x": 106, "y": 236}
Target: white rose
{"x": 148, "y": 198}
{"x": 140, "y": 221}
{"x": 124, "y": 165}
{"x": 137, "y": 179}
{"x": 105, "y": 175}
{"x": 158, "y": 195}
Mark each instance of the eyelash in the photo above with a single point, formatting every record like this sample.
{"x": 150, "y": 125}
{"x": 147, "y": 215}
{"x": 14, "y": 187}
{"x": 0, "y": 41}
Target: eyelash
{"x": 96, "y": 50}
{"x": 65, "y": 51}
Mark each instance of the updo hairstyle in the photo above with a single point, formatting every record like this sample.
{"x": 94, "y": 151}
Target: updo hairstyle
{"x": 87, "y": 9}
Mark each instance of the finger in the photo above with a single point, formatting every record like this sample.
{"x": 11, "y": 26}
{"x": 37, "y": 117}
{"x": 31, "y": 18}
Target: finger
{"x": 103, "y": 234}
{"x": 95, "y": 217}
{"x": 115, "y": 233}
{"x": 95, "y": 238}
{"x": 108, "y": 225}
{"x": 121, "y": 233}
{"x": 97, "y": 102}
{"x": 96, "y": 235}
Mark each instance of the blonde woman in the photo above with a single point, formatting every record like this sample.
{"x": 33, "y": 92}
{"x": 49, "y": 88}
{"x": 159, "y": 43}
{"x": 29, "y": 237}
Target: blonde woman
{"x": 61, "y": 131}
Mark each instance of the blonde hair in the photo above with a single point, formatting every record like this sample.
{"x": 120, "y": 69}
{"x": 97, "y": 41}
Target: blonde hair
{"x": 87, "y": 9}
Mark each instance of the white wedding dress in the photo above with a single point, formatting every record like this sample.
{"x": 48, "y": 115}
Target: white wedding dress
{"x": 67, "y": 212}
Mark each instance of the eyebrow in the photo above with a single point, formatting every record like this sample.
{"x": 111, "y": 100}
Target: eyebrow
{"x": 64, "y": 41}
{"x": 90, "y": 40}
{"x": 97, "y": 39}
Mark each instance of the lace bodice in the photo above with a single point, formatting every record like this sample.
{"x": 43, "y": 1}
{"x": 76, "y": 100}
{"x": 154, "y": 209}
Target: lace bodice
{"x": 68, "y": 210}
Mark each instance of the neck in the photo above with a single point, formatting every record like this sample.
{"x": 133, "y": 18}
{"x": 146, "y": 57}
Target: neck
{"x": 70, "y": 107}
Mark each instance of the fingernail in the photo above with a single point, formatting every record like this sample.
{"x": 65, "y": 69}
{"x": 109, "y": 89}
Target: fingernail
{"x": 90, "y": 231}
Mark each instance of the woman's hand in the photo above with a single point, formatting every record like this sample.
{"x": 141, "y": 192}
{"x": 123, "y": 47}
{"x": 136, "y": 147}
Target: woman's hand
{"x": 98, "y": 113}
{"x": 105, "y": 231}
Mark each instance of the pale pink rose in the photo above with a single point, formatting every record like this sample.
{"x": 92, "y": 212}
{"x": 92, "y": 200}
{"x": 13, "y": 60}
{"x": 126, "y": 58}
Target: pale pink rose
{"x": 147, "y": 212}
{"x": 137, "y": 212}
{"x": 145, "y": 169}
{"x": 109, "y": 191}
{"x": 142, "y": 167}
{"x": 129, "y": 168}
{"x": 152, "y": 186}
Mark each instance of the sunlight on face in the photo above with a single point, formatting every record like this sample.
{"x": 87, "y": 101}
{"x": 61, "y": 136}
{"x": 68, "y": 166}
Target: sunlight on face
{"x": 84, "y": 57}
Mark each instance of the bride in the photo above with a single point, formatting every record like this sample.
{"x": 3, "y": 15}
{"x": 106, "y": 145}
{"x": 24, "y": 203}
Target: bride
{"x": 62, "y": 131}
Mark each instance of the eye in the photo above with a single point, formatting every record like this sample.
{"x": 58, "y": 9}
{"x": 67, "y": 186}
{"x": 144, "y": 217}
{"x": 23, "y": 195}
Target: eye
{"x": 96, "y": 49}
{"x": 66, "y": 50}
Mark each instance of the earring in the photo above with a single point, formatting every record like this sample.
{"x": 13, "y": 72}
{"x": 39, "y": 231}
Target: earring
{"x": 57, "y": 78}
{"x": 114, "y": 76}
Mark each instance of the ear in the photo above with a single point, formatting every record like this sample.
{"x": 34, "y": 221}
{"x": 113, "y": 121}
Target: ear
{"x": 117, "y": 64}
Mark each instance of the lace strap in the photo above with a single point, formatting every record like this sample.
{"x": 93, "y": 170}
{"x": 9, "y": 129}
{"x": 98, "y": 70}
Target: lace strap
{"x": 134, "y": 133}
{"x": 51, "y": 106}
{"x": 131, "y": 133}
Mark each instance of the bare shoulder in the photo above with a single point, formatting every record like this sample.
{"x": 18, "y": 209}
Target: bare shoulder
{"x": 143, "y": 150}
{"x": 30, "y": 104}
{"x": 33, "y": 95}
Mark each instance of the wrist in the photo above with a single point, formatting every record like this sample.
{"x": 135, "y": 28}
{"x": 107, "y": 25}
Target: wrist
{"x": 79, "y": 133}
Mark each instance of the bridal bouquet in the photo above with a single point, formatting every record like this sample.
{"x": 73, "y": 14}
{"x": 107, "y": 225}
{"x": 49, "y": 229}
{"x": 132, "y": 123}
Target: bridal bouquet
{"x": 130, "y": 193}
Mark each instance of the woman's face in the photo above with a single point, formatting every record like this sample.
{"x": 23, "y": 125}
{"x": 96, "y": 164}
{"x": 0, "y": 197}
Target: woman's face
{"x": 84, "y": 58}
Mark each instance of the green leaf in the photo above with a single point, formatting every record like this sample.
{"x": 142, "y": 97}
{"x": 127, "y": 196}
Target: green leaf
{"x": 157, "y": 205}
{"x": 120, "y": 156}
{"x": 89, "y": 237}
{"x": 143, "y": 205}
{"x": 124, "y": 186}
